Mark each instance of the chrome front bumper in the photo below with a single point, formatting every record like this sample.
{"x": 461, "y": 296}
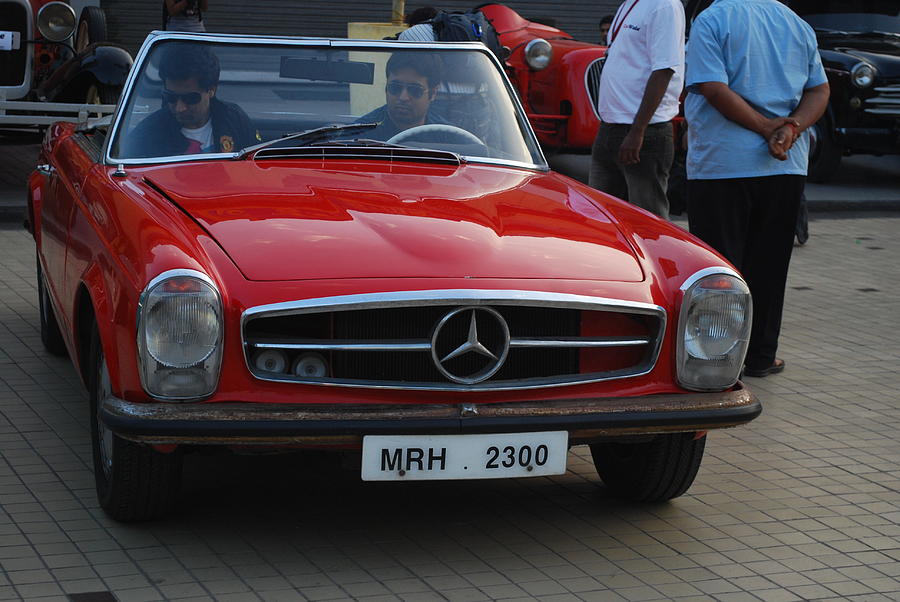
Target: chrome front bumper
{"x": 586, "y": 420}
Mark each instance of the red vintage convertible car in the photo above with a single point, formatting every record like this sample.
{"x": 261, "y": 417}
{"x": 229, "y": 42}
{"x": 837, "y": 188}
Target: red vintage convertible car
{"x": 431, "y": 297}
{"x": 556, "y": 76}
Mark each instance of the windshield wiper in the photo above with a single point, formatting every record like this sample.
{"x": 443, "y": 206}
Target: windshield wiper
{"x": 308, "y": 136}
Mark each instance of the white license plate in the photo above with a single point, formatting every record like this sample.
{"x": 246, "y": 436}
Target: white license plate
{"x": 10, "y": 40}
{"x": 441, "y": 457}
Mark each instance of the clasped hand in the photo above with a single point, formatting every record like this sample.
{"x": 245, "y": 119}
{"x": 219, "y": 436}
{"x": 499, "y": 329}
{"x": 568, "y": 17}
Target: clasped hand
{"x": 781, "y": 136}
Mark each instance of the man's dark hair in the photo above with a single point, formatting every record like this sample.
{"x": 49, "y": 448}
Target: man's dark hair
{"x": 426, "y": 65}
{"x": 607, "y": 19}
{"x": 184, "y": 60}
{"x": 420, "y": 15}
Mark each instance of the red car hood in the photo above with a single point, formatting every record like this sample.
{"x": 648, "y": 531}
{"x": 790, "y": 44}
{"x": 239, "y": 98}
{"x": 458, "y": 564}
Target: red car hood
{"x": 309, "y": 219}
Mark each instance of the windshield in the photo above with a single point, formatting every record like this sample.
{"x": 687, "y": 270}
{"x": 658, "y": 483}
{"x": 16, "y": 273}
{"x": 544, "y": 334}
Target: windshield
{"x": 850, "y": 15}
{"x": 194, "y": 98}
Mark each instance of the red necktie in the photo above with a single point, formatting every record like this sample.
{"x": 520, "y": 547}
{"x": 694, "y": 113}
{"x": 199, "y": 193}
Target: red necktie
{"x": 193, "y": 147}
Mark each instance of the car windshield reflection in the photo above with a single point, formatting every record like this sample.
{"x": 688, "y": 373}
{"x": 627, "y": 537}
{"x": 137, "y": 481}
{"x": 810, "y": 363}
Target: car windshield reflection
{"x": 196, "y": 98}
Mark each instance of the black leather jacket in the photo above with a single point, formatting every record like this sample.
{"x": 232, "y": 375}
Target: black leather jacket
{"x": 159, "y": 135}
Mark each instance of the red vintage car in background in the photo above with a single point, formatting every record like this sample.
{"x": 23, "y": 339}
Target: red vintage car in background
{"x": 435, "y": 300}
{"x": 556, "y": 76}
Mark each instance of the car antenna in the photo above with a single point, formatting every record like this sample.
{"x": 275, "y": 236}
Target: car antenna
{"x": 120, "y": 171}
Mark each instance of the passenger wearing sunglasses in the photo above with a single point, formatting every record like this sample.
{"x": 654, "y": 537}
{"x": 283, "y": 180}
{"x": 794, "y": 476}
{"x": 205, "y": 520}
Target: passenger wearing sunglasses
{"x": 191, "y": 120}
{"x": 412, "y": 80}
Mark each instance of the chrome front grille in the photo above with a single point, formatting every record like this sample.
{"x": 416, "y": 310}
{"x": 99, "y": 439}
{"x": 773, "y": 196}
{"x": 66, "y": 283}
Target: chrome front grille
{"x": 592, "y": 82}
{"x": 886, "y": 103}
{"x": 452, "y": 340}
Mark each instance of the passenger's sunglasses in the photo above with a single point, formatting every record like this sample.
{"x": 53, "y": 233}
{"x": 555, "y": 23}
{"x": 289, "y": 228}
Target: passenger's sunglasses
{"x": 396, "y": 89}
{"x": 191, "y": 98}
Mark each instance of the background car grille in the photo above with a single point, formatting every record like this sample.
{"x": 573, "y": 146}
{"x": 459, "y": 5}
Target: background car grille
{"x": 592, "y": 82}
{"x": 886, "y": 103}
{"x": 391, "y": 346}
{"x": 13, "y": 17}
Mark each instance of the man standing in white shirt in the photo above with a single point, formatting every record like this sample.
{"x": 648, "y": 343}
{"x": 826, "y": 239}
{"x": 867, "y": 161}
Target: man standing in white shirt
{"x": 639, "y": 90}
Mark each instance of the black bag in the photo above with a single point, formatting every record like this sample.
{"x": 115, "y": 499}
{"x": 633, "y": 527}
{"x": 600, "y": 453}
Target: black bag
{"x": 467, "y": 26}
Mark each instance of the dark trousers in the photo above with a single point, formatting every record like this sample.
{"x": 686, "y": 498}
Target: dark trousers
{"x": 751, "y": 222}
{"x": 643, "y": 184}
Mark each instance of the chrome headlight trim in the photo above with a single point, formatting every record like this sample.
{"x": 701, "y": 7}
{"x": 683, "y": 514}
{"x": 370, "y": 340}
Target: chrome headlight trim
{"x": 144, "y": 355}
{"x": 702, "y": 376}
{"x": 538, "y": 54}
{"x": 863, "y": 75}
{"x": 56, "y": 21}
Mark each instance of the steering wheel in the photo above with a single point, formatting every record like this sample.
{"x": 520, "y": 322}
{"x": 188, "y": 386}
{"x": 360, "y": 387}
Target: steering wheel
{"x": 435, "y": 128}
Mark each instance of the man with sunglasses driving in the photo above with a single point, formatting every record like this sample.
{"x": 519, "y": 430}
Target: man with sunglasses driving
{"x": 192, "y": 120}
{"x": 412, "y": 80}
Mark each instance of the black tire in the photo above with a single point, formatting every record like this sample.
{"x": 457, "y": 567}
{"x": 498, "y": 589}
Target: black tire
{"x": 91, "y": 27}
{"x": 134, "y": 482}
{"x": 825, "y": 151}
{"x": 649, "y": 471}
{"x": 51, "y": 336}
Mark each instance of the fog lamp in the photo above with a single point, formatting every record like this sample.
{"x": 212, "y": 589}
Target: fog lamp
{"x": 270, "y": 360}
{"x": 310, "y": 365}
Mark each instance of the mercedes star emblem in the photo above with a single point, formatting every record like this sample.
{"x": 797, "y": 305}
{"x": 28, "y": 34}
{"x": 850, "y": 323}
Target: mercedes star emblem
{"x": 470, "y": 344}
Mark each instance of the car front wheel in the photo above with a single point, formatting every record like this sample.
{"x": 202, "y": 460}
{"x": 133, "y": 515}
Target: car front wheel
{"x": 134, "y": 481}
{"x": 649, "y": 471}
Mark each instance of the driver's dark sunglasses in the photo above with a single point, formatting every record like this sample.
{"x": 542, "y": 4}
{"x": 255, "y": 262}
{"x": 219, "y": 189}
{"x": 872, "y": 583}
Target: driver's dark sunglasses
{"x": 191, "y": 98}
{"x": 396, "y": 89}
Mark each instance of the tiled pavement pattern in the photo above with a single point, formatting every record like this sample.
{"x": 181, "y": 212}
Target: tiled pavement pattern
{"x": 804, "y": 503}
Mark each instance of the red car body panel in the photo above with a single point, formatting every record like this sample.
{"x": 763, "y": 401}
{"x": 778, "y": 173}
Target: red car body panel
{"x": 556, "y": 98}
{"x": 121, "y": 232}
{"x": 411, "y": 222}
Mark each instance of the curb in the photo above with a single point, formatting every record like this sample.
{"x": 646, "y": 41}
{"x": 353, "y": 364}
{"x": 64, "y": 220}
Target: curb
{"x": 862, "y": 205}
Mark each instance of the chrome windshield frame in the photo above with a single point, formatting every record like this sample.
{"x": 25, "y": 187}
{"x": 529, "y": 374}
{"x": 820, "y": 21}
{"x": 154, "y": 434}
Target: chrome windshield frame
{"x": 156, "y": 37}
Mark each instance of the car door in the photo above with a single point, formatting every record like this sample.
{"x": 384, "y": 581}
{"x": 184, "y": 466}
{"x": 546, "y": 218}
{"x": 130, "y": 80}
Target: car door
{"x": 67, "y": 166}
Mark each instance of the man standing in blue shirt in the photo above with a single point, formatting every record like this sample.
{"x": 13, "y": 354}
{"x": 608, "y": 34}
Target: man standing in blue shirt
{"x": 755, "y": 83}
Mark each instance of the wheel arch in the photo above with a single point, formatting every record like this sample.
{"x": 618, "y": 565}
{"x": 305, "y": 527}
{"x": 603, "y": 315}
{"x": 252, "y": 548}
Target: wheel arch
{"x": 92, "y": 312}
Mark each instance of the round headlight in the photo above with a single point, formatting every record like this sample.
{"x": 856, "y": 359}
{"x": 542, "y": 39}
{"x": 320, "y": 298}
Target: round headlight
{"x": 538, "y": 53}
{"x": 716, "y": 324}
{"x": 56, "y": 21}
{"x": 862, "y": 75}
{"x": 713, "y": 330}
{"x": 182, "y": 322}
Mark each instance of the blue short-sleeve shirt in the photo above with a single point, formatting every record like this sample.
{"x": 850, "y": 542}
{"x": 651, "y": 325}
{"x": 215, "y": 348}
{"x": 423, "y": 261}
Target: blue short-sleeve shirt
{"x": 765, "y": 53}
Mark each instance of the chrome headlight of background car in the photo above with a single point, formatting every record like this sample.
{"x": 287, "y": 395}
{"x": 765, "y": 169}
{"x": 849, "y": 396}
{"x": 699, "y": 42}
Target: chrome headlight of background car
{"x": 56, "y": 21}
{"x": 180, "y": 336}
{"x": 538, "y": 53}
{"x": 863, "y": 75}
{"x": 713, "y": 331}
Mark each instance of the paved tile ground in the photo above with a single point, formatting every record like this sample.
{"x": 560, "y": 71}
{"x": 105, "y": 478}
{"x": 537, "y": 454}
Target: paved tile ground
{"x": 802, "y": 504}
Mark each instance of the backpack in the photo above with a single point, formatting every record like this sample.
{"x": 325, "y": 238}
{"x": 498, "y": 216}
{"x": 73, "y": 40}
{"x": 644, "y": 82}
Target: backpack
{"x": 471, "y": 25}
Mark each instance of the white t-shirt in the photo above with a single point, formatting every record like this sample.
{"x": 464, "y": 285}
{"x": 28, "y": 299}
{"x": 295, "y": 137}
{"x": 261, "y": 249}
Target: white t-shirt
{"x": 202, "y": 134}
{"x": 650, "y": 37}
